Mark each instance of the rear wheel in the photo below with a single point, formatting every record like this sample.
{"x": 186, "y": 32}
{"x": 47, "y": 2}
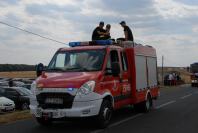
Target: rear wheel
{"x": 144, "y": 106}
{"x": 147, "y": 105}
{"x": 105, "y": 114}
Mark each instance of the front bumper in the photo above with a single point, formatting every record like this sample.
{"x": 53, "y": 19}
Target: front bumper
{"x": 7, "y": 108}
{"x": 79, "y": 109}
{"x": 82, "y": 106}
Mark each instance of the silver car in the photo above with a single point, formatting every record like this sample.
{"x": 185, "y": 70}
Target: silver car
{"x": 6, "y": 104}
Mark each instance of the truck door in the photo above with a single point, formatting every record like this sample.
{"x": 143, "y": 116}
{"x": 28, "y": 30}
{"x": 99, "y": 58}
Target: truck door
{"x": 112, "y": 82}
{"x": 125, "y": 77}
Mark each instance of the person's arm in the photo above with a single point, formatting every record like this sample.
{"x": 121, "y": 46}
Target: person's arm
{"x": 107, "y": 33}
{"x": 100, "y": 33}
{"x": 126, "y": 35}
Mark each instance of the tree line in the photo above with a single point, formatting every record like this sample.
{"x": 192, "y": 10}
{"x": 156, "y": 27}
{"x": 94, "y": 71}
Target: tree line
{"x": 16, "y": 67}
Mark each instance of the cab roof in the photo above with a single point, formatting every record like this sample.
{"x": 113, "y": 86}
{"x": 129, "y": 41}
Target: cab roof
{"x": 88, "y": 47}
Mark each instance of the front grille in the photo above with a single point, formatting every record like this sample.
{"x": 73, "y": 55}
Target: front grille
{"x": 67, "y": 100}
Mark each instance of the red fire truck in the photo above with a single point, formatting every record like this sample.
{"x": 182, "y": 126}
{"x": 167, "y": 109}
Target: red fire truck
{"x": 91, "y": 79}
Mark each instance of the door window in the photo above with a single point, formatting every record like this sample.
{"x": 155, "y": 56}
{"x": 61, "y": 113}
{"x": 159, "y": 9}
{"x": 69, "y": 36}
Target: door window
{"x": 124, "y": 61}
{"x": 113, "y": 57}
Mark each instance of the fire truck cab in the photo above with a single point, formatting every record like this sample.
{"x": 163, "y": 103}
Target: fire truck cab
{"x": 91, "y": 79}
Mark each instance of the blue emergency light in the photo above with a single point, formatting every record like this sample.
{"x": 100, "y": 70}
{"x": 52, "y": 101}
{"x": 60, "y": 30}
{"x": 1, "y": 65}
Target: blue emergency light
{"x": 104, "y": 42}
{"x": 74, "y": 44}
{"x": 91, "y": 43}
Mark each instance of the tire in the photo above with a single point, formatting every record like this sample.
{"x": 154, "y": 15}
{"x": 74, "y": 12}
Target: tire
{"x": 24, "y": 106}
{"x": 105, "y": 114}
{"x": 44, "y": 122}
{"x": 147, "y": 105}
{"x": 144, "y": 107}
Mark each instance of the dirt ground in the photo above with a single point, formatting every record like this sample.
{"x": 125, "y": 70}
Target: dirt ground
{"x": 19, "y": 74}
{"x": 14, "y": 116}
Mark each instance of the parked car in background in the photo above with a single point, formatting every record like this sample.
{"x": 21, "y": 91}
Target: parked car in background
{"x": 18, "y": 83}
{"x": 4, "y": 83}
{"x": 24, "y": 80}
{"x": 6, "y": 104}
{"x": 19, "y": 95}
{"x": 28, "y": 86}
{"x": 4, "y": 79}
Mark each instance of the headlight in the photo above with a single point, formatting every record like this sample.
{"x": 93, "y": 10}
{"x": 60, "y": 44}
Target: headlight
{"x": 86, "y": 88}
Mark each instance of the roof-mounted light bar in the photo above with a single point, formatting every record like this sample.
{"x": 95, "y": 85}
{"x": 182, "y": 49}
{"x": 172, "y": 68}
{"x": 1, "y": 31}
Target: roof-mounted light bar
{"x": 91, "y": 43}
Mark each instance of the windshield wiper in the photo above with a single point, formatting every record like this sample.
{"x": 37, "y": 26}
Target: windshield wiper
{"x": 73, "y": 69}
{"x": 55, "y": 69}
{"x": 87, "y": 70}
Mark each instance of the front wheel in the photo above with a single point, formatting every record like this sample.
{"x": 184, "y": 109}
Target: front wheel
{"x": 105, "y": 114}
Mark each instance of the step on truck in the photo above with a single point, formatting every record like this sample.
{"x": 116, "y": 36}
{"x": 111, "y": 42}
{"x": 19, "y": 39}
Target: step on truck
{"x": 91, "y": 79}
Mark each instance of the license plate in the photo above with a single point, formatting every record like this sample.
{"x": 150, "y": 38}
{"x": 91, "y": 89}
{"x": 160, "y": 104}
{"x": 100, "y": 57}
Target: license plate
{"x": 9, "y": 108}
{"x": 47, "y": 115}
{"x": 54, "y": 101}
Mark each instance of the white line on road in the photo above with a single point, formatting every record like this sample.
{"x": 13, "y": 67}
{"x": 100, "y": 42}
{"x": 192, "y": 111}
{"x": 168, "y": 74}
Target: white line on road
{"x": 165, "y": 104}
{"x": 118, "y": 123}
{"x": 127, "y": 119}
{"x": 186, "y": 96}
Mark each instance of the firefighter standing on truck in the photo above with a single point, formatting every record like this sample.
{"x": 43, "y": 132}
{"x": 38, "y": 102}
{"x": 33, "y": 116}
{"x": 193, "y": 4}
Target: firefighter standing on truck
{"x": 127, "y": 32}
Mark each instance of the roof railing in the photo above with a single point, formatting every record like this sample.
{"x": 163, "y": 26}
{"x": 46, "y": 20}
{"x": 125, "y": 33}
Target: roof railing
{"x": 111, "y": 42}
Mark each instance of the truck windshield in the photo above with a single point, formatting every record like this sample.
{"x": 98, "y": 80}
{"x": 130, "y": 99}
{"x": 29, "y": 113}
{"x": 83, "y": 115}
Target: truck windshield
{"x": 75, "y": 61}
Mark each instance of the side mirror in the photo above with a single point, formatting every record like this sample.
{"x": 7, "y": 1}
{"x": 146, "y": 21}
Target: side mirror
{"x": 115, "y": 68}
{"x": 39, "y": 69}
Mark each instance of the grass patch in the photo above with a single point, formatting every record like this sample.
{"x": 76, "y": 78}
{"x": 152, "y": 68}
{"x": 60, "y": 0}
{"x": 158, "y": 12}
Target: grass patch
{"x": 19, "y": 74}
{"x": 14, "y": 116}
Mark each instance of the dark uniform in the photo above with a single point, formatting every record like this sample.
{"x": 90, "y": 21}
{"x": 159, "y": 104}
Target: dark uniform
{"x": 130, "y": 35}
{"x": 95, "y": 35}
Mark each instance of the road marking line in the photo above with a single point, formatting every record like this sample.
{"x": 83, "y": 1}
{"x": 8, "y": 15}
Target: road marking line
{"x": 165, "y": 104}
{"x": 186, "y": 96}
{"x": 125, "y": 120}
{"x": 118, "y": 123}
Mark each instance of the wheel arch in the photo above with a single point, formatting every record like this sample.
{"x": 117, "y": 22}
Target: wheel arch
{"x": 147, "y": 94}
{"x": 109, "y": 97}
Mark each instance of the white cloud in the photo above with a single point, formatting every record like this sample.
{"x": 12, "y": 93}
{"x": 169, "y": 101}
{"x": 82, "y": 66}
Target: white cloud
{"x": 172, "y": 9}
{"x": 195, "y": 28}
{"x": 169, "y": 26}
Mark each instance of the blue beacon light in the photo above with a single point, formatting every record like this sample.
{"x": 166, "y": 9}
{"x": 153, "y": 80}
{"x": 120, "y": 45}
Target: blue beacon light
{"x": 104, "y": 42}
{"x": 74, "y": 44}
{"x": 96, "y": 42}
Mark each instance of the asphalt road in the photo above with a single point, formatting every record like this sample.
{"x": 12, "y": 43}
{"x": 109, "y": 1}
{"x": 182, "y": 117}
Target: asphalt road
{"x": 176, "y": 111}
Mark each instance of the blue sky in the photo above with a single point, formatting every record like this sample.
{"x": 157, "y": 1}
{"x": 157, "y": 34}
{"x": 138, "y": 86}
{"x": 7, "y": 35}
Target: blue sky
{"x": 171, "y": 26}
